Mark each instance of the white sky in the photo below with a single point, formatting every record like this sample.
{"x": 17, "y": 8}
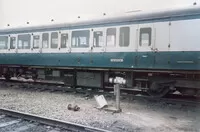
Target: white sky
{"x": 18, "y": 12}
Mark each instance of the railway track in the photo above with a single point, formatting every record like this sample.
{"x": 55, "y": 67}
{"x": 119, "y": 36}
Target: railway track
{"x": 172, "y": 99}
{"x": 13, "y": 121}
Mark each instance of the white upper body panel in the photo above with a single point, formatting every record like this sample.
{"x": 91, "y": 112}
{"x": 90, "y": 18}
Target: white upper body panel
{"x": 185, "y": 35}
{"x": 143, "y": 32}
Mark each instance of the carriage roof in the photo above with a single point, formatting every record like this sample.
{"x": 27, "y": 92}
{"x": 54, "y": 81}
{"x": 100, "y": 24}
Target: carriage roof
{"x": 141, "y": 16}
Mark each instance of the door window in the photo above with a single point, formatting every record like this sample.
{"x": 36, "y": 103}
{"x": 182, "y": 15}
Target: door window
{"x": 45, "y": 40}
{"x": 124, "y": 39}
{"x": 54, "y": 40}
{"x": 145, "y": 36}
{"x": 36, "y": 41}
{"x": 64, "y": 40}
{"x": 111, "y": 37}
{"x": 98, "y": 39}
{"x": 12, "y": 42}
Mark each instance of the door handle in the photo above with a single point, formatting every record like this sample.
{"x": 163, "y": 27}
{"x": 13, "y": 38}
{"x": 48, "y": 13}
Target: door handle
{"x": 91, "y": 48}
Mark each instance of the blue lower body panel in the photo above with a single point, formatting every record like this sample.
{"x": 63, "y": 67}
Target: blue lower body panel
{"x": 124, "y": 60}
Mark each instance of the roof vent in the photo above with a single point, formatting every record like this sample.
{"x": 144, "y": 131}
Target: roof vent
{"x": 133, "y": 11}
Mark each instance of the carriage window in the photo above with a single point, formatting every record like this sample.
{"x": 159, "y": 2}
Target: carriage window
{"x": 145, "y": 36}
{"x": 111, "y": 37}
{"x": 64, "y": 40}
{"x": 80, "y": 38}
{"x": 54, "y": 40}
{"x": 36, "y": 41}
{"x": 12, "y": 42}
{"x": 124, "y": 38}
{"x": 3, "y": 42}
{"x": 45, "y": 40}
{"x": 24, "y": 41}
{"x": 98, "y": 39}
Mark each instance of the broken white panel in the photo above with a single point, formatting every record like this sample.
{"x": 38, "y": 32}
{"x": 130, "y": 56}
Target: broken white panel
{"x": 101, "y": 101}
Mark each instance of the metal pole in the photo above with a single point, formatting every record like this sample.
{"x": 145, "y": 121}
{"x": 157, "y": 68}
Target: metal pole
{"x": 117, "y": 92}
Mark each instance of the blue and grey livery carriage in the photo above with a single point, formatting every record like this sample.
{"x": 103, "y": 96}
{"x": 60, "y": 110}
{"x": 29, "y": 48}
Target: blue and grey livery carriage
{"x": 158, "y": 52}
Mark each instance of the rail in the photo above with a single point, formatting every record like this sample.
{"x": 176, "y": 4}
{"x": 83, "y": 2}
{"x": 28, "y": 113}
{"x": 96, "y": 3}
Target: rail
{"x": 51, "y": 122}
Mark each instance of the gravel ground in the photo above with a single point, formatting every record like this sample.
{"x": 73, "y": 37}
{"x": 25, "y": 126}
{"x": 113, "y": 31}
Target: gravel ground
{"x": 137, "y": 115}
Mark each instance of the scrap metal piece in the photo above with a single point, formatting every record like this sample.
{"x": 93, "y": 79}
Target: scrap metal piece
{"x": 76, "y": 108}
{"x": 70, "y": 107}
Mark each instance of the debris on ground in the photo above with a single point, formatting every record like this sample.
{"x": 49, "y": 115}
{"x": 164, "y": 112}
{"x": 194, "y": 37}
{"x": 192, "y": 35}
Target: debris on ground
{"x": 74, "y": 108}
{"x": 101, "y": 101}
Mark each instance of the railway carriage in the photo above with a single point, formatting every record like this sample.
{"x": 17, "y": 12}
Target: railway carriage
{"x": 157, "y": 52}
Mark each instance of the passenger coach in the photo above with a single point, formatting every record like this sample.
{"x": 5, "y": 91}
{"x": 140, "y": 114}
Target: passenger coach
{"x": 157, "y": 52}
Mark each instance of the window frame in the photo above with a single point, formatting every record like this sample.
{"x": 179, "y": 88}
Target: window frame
{"x": 87, "y": 39}
{"x": 115, "y": 41}
{"x": 51, "y": 40}
{"x": 129, "y": 36}
{"x": 17, "y": 41}
{"x": 103, "y": 38}
{"x": 9, "y": 43}
{"x": 6, "y": 45}
{"x": 48, "y": 40}
{"x": 145, "y": 30}
{"x": 40, "y": 37}
{"x": 67, "y": 40}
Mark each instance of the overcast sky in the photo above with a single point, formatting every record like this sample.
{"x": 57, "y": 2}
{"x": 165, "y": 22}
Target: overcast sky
{"x": 18, "y": 12}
